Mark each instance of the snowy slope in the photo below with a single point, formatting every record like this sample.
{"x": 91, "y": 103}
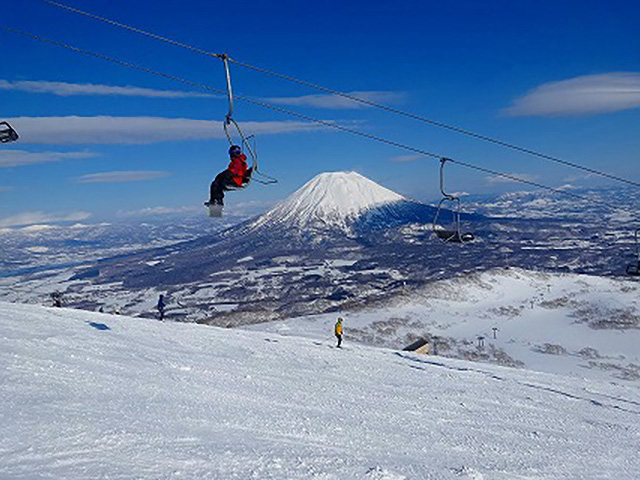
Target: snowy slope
{"x": 581, "y": 325}
{"x": 331, "y": 199}
{"x": 86, "y": 395}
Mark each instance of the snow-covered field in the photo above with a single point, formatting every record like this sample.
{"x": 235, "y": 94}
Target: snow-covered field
{"x": 88, "y": 395}
{"x": 581, "y": 325}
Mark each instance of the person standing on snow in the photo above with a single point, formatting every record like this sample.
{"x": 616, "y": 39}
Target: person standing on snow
{"x": 161, "y": 306}
{"x": 338, "y": 331}
{"x": 236, "y": 175}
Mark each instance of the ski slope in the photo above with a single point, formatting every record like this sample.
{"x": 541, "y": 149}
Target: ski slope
{"x": 569, "y": 324}
{"x": 87, "y": 395}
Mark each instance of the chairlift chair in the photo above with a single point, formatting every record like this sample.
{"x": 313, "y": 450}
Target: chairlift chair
{"x": 453, "y": 233}
{"x": 247, "y": 143}
{"x": 633, "y": 269}
{"x": 7, "y": 133}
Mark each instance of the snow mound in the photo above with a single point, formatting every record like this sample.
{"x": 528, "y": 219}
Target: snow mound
{"x": 328, "y": 200}
{"x": 88, "y": 395}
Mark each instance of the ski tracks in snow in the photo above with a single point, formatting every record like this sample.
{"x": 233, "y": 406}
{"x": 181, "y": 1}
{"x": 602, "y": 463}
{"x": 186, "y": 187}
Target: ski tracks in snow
{"x": 557, "y": 391}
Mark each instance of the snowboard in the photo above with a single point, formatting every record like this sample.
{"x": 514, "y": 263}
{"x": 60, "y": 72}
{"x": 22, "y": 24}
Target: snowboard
{"x": 215, "y": 210}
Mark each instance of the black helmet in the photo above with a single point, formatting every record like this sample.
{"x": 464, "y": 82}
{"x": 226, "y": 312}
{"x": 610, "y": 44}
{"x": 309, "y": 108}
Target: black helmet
{"x": 235, "y": 150}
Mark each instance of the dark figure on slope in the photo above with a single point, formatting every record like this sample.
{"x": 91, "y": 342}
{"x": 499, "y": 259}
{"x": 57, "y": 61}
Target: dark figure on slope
{"x": 235, "y": 176}
{"x": 56, "y": 298}
{"x": 161, "y": 306}
{"x": 338, "y": 331}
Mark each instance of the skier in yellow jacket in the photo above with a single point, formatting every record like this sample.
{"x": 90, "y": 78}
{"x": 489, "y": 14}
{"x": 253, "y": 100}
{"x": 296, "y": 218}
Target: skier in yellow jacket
{"x": 338, "y": 331}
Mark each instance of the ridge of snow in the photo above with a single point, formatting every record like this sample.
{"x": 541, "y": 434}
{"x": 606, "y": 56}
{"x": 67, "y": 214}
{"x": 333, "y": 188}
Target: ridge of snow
{"x": 90, "y": 395}
{"x": 330, "y": 199}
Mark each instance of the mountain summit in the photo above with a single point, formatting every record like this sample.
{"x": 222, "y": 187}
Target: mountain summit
{"x": 330, "y": 200}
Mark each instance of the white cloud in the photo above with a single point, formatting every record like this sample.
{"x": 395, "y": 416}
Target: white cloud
{"x": 252, "y": 207}
{"x": 589, "y": 94}
{"x": 39, "y": 218}
{"x": 581, "y": 177}
{"x": 497, "y": 179}
{"x": 121, "y": 177}
{"x": 152, "y": 211}
{"x": 64, "y": 89}
{"x": 137, "y": 130}
{"x": 339, "y": 102}
{"x": 406, "y": 158}
{"x": 14, "y": 158}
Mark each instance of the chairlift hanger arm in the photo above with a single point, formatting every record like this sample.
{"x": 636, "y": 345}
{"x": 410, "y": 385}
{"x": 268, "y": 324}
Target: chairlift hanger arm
{"x": 225, "y": 61}
{"x": 454, "y": 235}
{"x": 244, "y": 140}
{"x": 447, "y": 196}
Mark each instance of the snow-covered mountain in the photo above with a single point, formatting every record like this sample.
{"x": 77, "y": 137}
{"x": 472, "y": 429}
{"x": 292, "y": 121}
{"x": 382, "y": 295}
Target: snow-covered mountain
{"x": 330, "y": 251}
{"x": 329, "y": 200}
{"x": 320, "y": 251}
{"x": 591, "y": 205}
{"x": 89, "y": 395}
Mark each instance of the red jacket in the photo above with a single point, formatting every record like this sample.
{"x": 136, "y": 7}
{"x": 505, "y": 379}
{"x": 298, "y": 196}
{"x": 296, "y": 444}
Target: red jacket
{"x": 238, "y": 168}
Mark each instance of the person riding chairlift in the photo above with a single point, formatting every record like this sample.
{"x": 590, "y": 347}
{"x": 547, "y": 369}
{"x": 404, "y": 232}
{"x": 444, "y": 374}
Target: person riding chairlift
{"x": 236, "y": 175}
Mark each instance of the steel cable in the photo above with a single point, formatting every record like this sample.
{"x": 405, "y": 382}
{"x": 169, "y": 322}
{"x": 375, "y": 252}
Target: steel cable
{"x": 325, "y": 123}
{"x": 354, "y": 98}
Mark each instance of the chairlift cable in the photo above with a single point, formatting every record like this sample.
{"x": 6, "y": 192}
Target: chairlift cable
{"x": 354, "y": 98}
{"x": 134, "y": 29}
{"x": 325, "y": 123}
{"x": 437, "y": 123}
{"x": 110, "y": 59}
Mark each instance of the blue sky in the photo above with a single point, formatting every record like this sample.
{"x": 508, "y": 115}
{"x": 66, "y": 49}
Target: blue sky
{"x": 559, "y": 77}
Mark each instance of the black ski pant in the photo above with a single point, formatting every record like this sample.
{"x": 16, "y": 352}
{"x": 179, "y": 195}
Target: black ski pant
{"x": 339, "y": 337}
{"x": 221, "y": 183}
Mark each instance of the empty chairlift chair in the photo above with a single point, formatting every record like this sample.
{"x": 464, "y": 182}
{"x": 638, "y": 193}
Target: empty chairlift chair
{"x": 453, "y": 232}
{"x": 7, "y": 133}
{"x": 634, "y": 268}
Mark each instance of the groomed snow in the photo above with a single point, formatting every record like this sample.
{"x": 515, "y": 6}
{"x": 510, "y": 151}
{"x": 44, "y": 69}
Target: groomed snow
{"x": 87, "y": 395}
